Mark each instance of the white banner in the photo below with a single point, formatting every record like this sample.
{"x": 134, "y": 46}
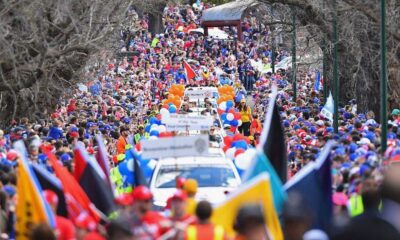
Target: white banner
{"x": 175, "y": 147}
{"x": 201, "y": 93}
{"x": 183, "y": 122}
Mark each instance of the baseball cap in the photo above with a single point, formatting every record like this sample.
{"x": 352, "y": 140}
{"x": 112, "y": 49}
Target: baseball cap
{"x": 179, "y": 195}
{"x": 190, "y": 185}
{"x": 396, "y": 112}
{"x": 50, "y": 197}
{"x": 142, "y": 193}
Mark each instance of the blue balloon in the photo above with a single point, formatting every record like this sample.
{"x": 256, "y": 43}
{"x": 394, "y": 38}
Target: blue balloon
{"x": 238, "y": 97}
{"x": 229, "y": 104}
{"x": 223, "y": 117}
{"x": 129, "y": 155}
{"x": 240, "y": 144}
{"x": 172, "y": 109}
{"x": 153, "y": 120}
{"x": 147, "y": 128}
{"x": 154, "y": 133}
{"x": 234, "y": 123}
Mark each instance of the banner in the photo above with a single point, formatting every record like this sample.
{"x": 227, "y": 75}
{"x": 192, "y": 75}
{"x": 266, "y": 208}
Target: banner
{"x": 201, "y": 93}
{"x": 183, "y": 122}
{"x": 175, "y": 147}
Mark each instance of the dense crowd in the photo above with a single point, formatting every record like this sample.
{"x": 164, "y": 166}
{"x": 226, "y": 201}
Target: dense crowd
{"x": 124, "y": 96}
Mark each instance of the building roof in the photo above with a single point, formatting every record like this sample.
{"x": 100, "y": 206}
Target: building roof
{"x": 231, "y": 11}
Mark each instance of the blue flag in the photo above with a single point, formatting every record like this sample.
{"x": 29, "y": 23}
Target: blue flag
{"x": 314, "y": 184}
{"x": 260, "y": 164}
{"x": 317, "y": 83}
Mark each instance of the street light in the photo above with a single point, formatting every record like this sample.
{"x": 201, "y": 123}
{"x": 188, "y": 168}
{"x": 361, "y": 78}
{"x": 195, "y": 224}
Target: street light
{"x": 383, "y": 78}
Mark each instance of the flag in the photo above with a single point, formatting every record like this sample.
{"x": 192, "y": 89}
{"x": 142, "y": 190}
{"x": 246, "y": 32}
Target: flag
{"x": 317, "y": 82}
{"x": 76, "y": 198}
{"x": 138, "y": 175}
{"x": 48, "y": 182}
{"x": 189, "y": 71}
{"x": 255, "y": 191}
{"x": 93, "y": 181}
{"x": 31, "y": 208}
{"x": 314, "y": 184}
{"x": 272, "y": 140}
{"x": 329, "y": 108}
{"x": 102, "y": 159}
{"x": 260, "y": 164}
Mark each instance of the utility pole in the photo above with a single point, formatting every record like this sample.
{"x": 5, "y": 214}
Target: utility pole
{"x": 335, "y": 70}
{"x": 294, "y": 79}
{"x": 383, "y": 78}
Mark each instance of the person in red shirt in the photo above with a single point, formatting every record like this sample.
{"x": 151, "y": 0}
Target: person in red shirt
{"x": 65, "y": 230}
{"x": 178, "y": 208}
{"x": 146, "y": 224}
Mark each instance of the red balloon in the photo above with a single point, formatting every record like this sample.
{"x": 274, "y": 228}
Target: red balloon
{"x": 138, "y": 147}
{"x": 220, "y": 111}
{"x": 237, "y": 136}
{"x": 225, "y": 148}
{"x": 232, "y": 110}
{"x": 237, "y": 115}
{"x": 159, "y": 116}
{"x": 228, "y": 140}
{"x": 239, "y": 151}
{"x": 233, "y": 129}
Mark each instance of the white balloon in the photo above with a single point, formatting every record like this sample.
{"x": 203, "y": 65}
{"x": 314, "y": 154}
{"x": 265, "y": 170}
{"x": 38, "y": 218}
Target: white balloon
{"x": 154, "y": 126}
{"x": 129, "y": 165}
{"x": 242, "y": 161}
{"x": 251, "y": 153}
{"x": 162, "y": 128}
{"x": 230, "y": 116}
{"x": 230, "y": 153}
{"x": 222, "y": 106}
{"x": 239, "y": 123}
{"x": 164, "y": 112}
{"x": 153, "y": 138}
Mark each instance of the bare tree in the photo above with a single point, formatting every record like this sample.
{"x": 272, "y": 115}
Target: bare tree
{"x": 358, "y": 24}
{"x": 44, "y": 44}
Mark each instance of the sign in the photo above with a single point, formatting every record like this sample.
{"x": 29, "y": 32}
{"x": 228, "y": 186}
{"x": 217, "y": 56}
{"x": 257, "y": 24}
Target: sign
{"x": 201, "y": 93}
{"x": 183, "y": 122}
{"x": 175, "y": 147}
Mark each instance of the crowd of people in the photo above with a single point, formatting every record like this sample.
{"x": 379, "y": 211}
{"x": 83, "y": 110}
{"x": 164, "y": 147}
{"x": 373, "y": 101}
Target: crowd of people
{"x": 124, "y": 95}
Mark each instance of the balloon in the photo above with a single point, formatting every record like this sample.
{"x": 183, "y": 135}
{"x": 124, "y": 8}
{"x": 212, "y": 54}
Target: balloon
{"x": 234, "y": 122}
{"x": 220, "y": 111}
{"x": 242, "y": 161}
{"x": 228, "y": 140}
{"x": 225, "y": 148}
{"x": 239, "y": 123}
{"x": 129, "y": 165}
{"x": 237, "y": 137}
{"x": 153, "y": 138}
{"x": 147, "y": 128}
{"x": 158, "y": 117}
{"x": 251, "y": 153}
{"x": 240, "y": 144}
{"x": 233, "y": 129}
{"x": 222, "y": 106}
{"x": 237, "y": 115}
{"x": 172, "y": 109}
{"x": 164, "y": 112}
{"x": 154, "y": 133}
{"x": 230, "y": 116}
{"x": 224, "y": 117}
{"x": 162, "y": 128}
{"x": 230, "y": 153}
{"x": 152, "y": 120}
{"x": 123, "y": 168}
{"x": 229, "y": 104}
{"x": 154, "y": 126}
{"x": 239, "y": 151}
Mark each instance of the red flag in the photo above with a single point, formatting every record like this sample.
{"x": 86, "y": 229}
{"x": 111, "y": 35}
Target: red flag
{"x": 189, "y": 71}
{"x": 76, "y": 198}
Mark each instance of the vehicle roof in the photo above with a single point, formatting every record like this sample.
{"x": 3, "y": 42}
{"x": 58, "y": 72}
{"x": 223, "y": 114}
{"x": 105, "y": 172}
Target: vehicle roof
{"x": 203, "y": 160}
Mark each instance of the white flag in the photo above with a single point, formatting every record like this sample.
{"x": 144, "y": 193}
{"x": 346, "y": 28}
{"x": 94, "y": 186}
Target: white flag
{"x": 329, "y": 108}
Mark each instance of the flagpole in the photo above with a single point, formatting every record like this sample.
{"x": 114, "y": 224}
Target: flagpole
{"x": 383, "y": 78}
{"x": 335, "y": 71}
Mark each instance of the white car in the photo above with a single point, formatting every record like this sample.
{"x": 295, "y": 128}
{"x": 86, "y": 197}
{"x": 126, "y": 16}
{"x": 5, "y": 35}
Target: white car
{"x": 216, "y": 176}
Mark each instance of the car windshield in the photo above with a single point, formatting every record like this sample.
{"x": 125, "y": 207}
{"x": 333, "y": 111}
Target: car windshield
{"x": 220, "y": 175}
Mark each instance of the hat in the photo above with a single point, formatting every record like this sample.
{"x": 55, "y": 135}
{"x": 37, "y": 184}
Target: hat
{"x": 50, "y": 197}
{"x": 74, "y": 134}
{"x": 12, "y": 155}
{"x": 124, "y": 199}
{"x": 142, "y": 193}
{"x": 396, "y": 112}
{"x": 10, "y": 190}
{"x": 190, "y": 186}
{"x": 339, "y": 199}
{"x": 65, "y": 157}
{"x": 86, "y": 222}
{"x": 179, "y": 195}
